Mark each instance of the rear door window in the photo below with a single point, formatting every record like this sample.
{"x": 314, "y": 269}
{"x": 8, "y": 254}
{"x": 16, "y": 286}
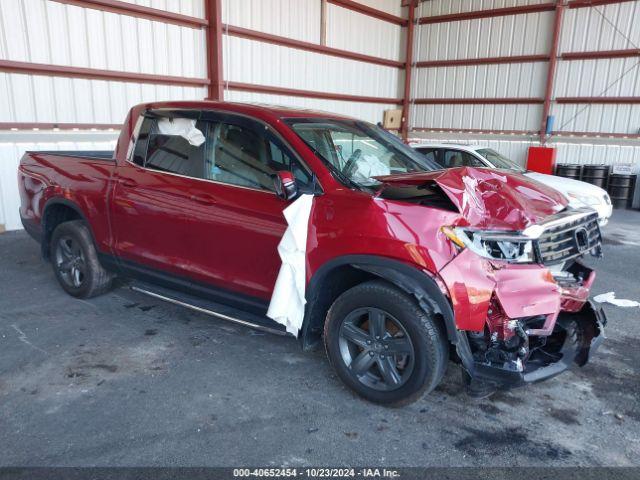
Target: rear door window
{"x": 172, "y": 144}
{"x": 173, "y": 153}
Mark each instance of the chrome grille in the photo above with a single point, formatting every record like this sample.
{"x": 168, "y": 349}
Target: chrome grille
{"x": 563, "y": 240}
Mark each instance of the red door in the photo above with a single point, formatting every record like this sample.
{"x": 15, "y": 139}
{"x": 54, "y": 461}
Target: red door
{"x": 207, "y": 213}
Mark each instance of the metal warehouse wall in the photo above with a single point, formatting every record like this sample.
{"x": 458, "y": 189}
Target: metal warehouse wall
{"x": 526, "y": 34}
{"x": 256, "y": 62}
{"x": 477, "y": 68}
{"x": 120, "y": 56}
{"x": 482, "y": 73}
{"x": 47, "y": 32}
{"x": 586, "y": 30}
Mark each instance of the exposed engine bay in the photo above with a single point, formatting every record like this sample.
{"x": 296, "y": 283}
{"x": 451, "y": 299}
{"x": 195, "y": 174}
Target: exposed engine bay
{"x": 512, "y": 351}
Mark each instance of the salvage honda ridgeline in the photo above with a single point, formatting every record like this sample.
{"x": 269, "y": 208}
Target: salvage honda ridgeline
{"x": 402, "y": 260}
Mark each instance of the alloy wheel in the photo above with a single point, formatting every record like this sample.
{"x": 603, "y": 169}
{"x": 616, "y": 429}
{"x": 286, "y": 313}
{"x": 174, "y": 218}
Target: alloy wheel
{"x": 70, "y": 261}
{"x": 376, "y": 349}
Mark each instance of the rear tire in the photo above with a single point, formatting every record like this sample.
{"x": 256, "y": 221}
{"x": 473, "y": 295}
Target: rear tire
{"x": 383, "y": 345}
{"x": 75, "y": 261}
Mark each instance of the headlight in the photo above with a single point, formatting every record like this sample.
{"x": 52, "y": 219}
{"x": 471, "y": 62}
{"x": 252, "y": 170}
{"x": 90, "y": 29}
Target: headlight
{"x": 590, "y": 200}
{"x": 506, "y": 246}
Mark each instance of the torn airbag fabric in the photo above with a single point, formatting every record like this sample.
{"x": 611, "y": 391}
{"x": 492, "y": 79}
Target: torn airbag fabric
{"x": 288, "y": 298}
{"x": 182, "y": 127}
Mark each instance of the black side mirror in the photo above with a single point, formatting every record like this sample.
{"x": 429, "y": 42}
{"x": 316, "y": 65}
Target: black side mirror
{"x": 285, "y": 185}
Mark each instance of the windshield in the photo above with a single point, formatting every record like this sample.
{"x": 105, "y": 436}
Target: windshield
{"x": 500, "y": 161}
{"x": 356, "y": 152}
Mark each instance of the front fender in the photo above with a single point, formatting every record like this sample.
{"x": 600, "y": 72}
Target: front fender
{"x": 419, "y": 283}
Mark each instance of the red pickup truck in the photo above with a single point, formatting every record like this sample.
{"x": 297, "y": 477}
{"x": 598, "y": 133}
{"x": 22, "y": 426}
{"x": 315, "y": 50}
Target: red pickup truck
{"x": 406, "y": 265}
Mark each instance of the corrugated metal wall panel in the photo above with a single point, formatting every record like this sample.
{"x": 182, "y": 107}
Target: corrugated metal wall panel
{"x": 389, "y": 6}
{"x": 432, "y": 8}
{"x": 605, "y": 27}
{"x": 526, "y": 34}
{"x": 382, "y": 39}
{"x": 41, "y": 31}
{"x": 616, "y": 118}
{"x": 47, "y": 99}
{"x": 47, "y": 32}
{"x": 593, "y": 153}
{"x": 298, "y": 19}
{"x": 193, "y": 8}
{"x": 603, "y": 77}
{"x": 488, "y": 37}
{"x": 365, "y": 111}
{"x": 265, "y": 64}
{"x": 481, "y": 81}
{"x": 10, "y": 154}
{"x": 487, "y": 117}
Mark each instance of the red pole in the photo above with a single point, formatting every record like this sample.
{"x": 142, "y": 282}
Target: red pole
{"x": 551, "y": 71}
{"x": 404, "y": 129}
{"x": 213, "y": 14}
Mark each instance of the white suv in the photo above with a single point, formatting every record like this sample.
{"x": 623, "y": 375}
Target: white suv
{"x": 579, "y": 194}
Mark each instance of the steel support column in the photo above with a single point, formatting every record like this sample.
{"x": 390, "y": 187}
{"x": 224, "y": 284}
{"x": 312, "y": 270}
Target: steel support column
{"x": 406, "y": 99}
{"x": 213, "y": 15}
{"x": 551, "y": 71}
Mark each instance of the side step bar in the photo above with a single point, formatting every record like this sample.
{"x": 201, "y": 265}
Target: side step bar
{"x": 207, "y": 311}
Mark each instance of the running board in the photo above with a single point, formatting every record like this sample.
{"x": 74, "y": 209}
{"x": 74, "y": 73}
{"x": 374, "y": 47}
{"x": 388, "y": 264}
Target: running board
{"x": 207, "y": 311}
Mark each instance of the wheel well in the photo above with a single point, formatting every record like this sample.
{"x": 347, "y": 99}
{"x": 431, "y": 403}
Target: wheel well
{"x": 340, "y": 274}
{"x": 332, "y": 285}
{"x": 53, "y": 216}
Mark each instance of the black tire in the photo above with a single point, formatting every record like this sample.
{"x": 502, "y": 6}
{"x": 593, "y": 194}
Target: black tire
{"x": 75, "y": 261}
{"x": 418, "y": 339}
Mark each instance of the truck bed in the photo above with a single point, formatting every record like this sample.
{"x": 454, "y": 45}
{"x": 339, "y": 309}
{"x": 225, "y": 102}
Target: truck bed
{"x": 78, "y": 178}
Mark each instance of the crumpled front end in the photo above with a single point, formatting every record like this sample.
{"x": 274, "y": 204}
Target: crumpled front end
{"x": 518, "y": 289}
{"x": 532, "y": 357}
{"x": 524, "y": 323}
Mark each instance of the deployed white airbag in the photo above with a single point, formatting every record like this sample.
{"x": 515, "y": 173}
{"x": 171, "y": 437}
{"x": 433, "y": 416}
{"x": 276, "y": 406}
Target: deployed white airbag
{"x": 368, "y": 166}
{"x": 288, "y": 298}
{"x": 183, "y": 127}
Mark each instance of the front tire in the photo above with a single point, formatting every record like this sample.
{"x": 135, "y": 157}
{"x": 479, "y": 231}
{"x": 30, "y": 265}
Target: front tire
{"x": 75, "y": 261}
{"x": 383, "y": 345}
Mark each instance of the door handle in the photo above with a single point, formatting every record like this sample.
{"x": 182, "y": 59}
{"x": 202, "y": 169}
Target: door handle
{"x": 128, "y": 182}
{"x": 202, "y": 198}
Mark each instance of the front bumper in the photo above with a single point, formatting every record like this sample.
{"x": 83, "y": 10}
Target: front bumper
{"x": 520, "y": 324}
{"x": 575, "y": 338}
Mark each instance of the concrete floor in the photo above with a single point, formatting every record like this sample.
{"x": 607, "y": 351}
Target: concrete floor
{"x": 125, "y": 380}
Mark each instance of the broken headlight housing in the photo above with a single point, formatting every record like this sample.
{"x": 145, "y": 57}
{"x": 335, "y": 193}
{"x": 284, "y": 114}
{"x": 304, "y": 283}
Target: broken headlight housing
{"x": 506, "y": 246}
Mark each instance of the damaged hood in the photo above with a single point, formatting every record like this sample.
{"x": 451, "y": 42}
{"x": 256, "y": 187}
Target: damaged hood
{"x": 487, "y": 198}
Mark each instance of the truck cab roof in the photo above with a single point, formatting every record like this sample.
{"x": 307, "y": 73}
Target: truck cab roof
{"x": 254, "y": 109}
